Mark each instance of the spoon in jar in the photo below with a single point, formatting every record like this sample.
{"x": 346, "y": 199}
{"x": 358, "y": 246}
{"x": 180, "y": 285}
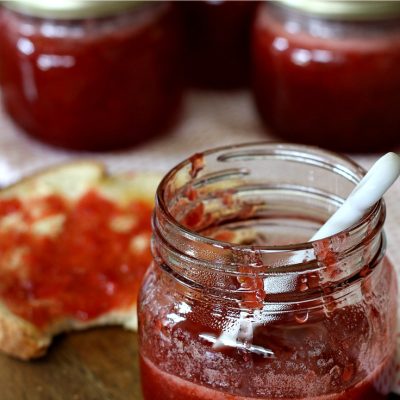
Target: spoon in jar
{"x": 368, "y": 191}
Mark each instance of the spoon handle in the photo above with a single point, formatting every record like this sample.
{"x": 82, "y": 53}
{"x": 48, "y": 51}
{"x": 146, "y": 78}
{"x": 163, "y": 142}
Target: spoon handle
{"x": 369, "y": 190}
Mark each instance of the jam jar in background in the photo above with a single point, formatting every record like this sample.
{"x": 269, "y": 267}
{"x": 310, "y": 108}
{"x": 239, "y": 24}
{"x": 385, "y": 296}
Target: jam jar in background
{"x": 328, "y": 72}
{"x": 218, "y": 42}
{"x": 91, "y": 75}
{"x": 237, "y": 305}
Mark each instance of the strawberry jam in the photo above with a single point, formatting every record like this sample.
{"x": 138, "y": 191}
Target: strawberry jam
{"x": 328, "y": 81}
{"x": 78, "y": 261}
{"x": 92, "y": 83}
{"x": 239, "y": 305}
{"x": 317, "y": 355}
{"x": 159, "y": 385}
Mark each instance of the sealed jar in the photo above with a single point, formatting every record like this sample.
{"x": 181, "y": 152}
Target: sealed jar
{"x": 238, "y": 305}
{"x": 327, "y": 72}
{"x": 218, "y": 42}
{"x": 92, "y": 75}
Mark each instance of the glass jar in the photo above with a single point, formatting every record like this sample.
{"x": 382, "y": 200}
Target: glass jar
{"x": 218, "y": 42}
{"x": 238, "y": 305}
{"x": 327, "y": 72}
{"x": 91, "y": 75}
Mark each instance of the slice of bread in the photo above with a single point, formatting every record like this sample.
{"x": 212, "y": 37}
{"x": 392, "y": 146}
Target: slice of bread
{"x": 74, "y": 245}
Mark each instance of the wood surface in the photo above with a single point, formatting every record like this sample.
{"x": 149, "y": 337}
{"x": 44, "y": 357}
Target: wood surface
{"x": 100, "y": 364}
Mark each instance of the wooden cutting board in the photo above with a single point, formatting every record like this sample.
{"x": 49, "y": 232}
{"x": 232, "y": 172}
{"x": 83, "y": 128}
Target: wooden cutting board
{"x": 101, "y": 364}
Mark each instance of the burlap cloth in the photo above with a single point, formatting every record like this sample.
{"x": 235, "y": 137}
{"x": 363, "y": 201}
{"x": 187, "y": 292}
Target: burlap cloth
{"x": 209, "y": 119}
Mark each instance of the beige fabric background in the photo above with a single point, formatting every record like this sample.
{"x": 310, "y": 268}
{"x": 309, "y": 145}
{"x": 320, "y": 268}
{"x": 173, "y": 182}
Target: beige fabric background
{"x": 209, "y": 119}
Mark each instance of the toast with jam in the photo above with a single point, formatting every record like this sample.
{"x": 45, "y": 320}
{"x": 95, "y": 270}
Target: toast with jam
{"x": 74, "y": 246}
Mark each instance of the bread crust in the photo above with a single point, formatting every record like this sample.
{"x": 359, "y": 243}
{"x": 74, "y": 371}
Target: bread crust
{"x": 20, "y": 338}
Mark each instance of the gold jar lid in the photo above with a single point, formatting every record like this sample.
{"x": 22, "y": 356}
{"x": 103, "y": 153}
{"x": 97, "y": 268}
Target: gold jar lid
{"x": 71, "y": 9}
{"x": 346, "y": 9}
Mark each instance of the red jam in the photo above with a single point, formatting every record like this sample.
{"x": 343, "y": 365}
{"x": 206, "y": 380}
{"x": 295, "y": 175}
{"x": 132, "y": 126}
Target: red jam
{"x": 330, "y": 83}
{"x": 159, "y": 385}
{"x": 218, "y": 37}
{"x": 93, "y": 265}
{"x": 92, "y": 84}
{"x": 177, "y": 362}
{"x": 237, "y": 305}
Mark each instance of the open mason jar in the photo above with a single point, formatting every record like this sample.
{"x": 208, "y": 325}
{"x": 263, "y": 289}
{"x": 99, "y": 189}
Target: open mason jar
{"x": 238, "y": 305}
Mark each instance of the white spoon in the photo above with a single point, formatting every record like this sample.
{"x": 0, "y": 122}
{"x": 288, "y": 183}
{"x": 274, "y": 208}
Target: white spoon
{"x": 369, "y": 190}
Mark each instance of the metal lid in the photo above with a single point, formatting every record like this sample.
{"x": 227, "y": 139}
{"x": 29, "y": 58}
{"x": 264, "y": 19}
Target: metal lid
{"x": 71, "y": 9}
{"x": 347, "y": 9}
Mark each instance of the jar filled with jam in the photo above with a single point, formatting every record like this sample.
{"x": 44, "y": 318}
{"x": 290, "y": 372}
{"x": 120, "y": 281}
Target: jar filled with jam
{"x": 218, "y": 42}
{"x": 91, "y": 75}
{"x": 239, "y": 305}
{"x": 327, "y": 72}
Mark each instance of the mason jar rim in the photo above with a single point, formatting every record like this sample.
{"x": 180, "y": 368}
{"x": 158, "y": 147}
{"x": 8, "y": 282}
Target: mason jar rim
{"x": 200, "y": 263}
{"x": 379, "y": 207}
